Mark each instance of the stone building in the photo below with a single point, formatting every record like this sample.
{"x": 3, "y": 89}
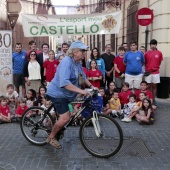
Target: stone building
{"x": 130, "y": 30}
{"x": 27, "y": 7}
{"x": 159, "y": 29}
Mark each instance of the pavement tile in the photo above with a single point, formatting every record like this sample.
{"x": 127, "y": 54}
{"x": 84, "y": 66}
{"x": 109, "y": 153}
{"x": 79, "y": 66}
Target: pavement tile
{"x": 17, "y": 153}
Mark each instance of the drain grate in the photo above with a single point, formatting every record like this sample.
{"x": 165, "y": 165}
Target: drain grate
{"x": 134, "y": 147}
{"x": 130, "y": 147}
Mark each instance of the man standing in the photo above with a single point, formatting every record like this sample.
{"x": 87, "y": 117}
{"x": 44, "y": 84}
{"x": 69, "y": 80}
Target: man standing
{"x": 109, "y": 65}
{"x": 133, "y": 60}
{"x": 153, "y": 59}
{"x": 18, "y": 60}
{"x": 142, "y": 49}
{"x": 125, "y": 45}
{"x": 64, "y": 50}
{"x": 43, "y": 57}
{"x": 32, "y": 45}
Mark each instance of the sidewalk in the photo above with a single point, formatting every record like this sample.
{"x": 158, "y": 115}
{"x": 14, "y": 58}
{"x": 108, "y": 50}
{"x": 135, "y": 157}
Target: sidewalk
{"x": 144, "y": 148}
{"x": 163, "y": 100}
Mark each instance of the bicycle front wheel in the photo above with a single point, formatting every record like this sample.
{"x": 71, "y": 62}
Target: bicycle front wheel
{"x": 36, "y": 125}
{"x": 108, "y": 139}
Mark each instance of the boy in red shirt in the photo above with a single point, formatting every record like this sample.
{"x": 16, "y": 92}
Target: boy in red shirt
{"x": 153, "y": 59}
{"x": 21, "y": 108}
{"x": 143, "y": 88}
{"x": 124, "y": 94}
{"x": 119, "y": 68}
{"x": 4, "y": 110}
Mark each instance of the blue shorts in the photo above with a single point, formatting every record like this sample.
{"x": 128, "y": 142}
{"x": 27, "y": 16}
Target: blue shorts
{"x": 60, "y": 104}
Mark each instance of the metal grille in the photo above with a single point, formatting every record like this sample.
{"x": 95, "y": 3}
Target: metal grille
{"x": 6, "y": 166}
{"x": 131, "y": 147}
{"x": 134, "y": 147}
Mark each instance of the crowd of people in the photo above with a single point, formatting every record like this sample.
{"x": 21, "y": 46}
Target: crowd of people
{"x": 127, "y": 82}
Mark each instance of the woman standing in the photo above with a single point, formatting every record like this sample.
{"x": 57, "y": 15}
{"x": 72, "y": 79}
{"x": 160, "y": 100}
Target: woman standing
{"x": 95, "y": 55}
{"x": 32, "y": 72}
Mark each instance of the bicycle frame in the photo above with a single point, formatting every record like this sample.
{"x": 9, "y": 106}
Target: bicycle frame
{"x": 86, "y": 103}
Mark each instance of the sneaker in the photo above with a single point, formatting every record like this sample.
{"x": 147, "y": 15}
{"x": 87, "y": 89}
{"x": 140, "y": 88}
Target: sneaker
{"x": 113, "y": 115}
{"x": 127, "y": 119}
{"x": 123, "y": 120}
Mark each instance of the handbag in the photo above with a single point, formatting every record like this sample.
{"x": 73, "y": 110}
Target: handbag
{"x": 81, "y": 80}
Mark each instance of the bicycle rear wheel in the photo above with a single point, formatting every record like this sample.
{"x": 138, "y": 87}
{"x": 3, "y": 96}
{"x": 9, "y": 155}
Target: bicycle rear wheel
{"x": 36, "y": 125}
{"x": 109, "y": 141}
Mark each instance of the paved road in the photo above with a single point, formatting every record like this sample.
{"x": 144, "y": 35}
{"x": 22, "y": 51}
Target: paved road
{"x": 144, "y": 148}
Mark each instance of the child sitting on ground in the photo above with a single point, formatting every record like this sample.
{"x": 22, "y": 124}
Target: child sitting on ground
{"x": 46, "y": 105}
{"x": 129, "y": 108}
{"x": 42, "y": 91}
{"x": 143, "y": 88}
{"x": 114, "y": 107}
{"x": 105, "y": 99}
{"x": 124, "y": 94}
{"x": 30, "y": 97}
{"x": 12, "y": 99}
{"x": 137, "y": 109}
{"x": 148, "y": 116}
{"x": 4, "y": 110}
{"x": 21, "y": 109}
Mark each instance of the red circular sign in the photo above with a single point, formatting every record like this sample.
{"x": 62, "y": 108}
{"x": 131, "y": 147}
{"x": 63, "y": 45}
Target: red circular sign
{"x": 144, "y": 16}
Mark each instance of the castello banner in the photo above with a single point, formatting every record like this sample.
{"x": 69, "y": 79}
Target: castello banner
{"x": 50, "y": 25}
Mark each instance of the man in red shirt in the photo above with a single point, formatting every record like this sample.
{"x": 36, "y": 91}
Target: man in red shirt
{"x": 143, "y": 88}
{"x": 153, "y": 59}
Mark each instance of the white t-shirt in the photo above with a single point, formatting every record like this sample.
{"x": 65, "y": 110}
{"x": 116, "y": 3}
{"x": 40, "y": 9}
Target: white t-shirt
{"x": 51, "y": 111}
{"x": 45, "y": 57}
{"x": 14, "y": 94}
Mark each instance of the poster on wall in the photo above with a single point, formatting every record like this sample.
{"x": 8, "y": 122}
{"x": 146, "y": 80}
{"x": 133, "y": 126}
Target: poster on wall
{"x": 6, "y": 76}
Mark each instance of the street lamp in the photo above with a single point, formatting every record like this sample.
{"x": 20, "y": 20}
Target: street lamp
{"x": 13, "y": 10}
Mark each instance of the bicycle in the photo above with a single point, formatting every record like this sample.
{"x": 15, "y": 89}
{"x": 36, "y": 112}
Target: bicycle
{"x": 100, "y": 134}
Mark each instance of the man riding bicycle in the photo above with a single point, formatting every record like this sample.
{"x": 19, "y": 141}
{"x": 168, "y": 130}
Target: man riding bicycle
{"x": 65, "y": 86}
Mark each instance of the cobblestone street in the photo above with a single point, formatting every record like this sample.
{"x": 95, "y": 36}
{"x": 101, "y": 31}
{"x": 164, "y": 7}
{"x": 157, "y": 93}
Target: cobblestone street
{"x": 145, "y": 148}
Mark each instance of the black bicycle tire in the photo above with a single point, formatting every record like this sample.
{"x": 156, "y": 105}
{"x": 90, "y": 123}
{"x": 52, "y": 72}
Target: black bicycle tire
{"x": 21, "y": 124}
{"x": 85, "y": 146}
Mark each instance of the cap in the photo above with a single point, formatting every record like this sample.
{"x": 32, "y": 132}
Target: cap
{"x": 78, "y": 44}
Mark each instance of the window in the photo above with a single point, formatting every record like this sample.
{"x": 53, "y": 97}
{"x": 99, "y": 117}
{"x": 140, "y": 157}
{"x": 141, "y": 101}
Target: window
{"x": 113, "y": 42}
{"x": 90, "y": 42}
{"x": 94, "y": 41}
{"x": 103, "y": 42}
{"x": 132, "y": 26}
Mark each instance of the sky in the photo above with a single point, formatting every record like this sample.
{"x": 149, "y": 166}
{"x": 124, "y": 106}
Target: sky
{"x": 62, "y": 10}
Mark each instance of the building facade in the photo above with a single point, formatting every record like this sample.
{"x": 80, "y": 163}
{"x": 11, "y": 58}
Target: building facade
{"x": 159, "y": 29}
{"x": 27, "y": 7}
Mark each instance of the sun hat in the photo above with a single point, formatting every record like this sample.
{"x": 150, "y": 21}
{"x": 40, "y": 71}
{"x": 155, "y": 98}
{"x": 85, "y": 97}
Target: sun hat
{"x": 78, "y": 44}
